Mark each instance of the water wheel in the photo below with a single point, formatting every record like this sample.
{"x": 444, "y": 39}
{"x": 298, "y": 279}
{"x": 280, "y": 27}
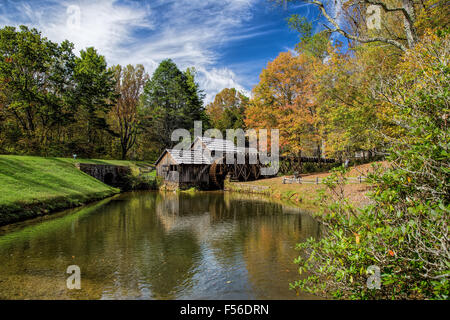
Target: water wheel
{"x": 256, "y": 171}
{"x": 217, "y": 173}
{"x": 247, "y": 172}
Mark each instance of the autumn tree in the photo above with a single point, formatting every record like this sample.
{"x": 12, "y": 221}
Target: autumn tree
{"x": 405, "y": 229}
{"x": 227, "y": 110}
{"x": 354, "y": 15}
{"x": 130, "y": 81}
{"x": 351, "y": 117}
{"x": 284, "y": 99}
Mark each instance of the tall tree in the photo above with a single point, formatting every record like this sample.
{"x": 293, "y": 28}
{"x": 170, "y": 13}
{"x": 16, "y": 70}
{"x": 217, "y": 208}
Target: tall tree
{"x": 356, "y": 13}
{"x": 130, "y": 81}
{"x": 194, "y": 110}
{"x": 350, "y": 116}
{"x": 36, "y": 78}
{"x": 171, "y": 100}
{"x": 284, "y": 99}
{"x": 95, "y": 94}
{"x": 227, "y": 111}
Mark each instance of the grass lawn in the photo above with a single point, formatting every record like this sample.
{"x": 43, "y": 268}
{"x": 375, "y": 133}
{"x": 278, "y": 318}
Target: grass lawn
{"x": 30, "y": 186}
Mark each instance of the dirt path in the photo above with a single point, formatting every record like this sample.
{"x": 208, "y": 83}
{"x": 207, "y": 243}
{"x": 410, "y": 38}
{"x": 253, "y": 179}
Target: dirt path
{"x": 307, "y": 193}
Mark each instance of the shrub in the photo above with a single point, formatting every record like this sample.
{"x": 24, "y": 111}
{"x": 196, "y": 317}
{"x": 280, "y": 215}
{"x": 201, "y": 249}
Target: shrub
{"x": 404, "y": 233}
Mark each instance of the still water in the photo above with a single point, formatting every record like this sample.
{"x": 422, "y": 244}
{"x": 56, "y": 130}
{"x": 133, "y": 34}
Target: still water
{"x": 158, "y": 246}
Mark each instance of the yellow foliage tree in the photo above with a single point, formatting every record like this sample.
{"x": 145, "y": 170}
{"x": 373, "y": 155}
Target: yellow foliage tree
{"x": 284, "y": 99}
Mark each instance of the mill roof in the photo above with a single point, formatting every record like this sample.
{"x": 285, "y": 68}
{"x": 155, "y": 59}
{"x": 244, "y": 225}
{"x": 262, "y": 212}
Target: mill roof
{"x": 222, "y": 145}
{"x": 198, "y": 157}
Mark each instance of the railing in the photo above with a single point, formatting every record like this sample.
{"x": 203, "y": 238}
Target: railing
{"x": 318, "y": 180}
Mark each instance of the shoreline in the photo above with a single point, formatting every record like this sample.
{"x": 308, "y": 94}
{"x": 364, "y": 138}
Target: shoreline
{"x": 306, "y": 195}
{"x": 32, "y": 187}
{"x": 301, "y": 195}
{"x": 19, "y": 212}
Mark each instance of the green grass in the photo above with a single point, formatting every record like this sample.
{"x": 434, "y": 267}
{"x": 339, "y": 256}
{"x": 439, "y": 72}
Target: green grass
{"x": 31, "y": 186}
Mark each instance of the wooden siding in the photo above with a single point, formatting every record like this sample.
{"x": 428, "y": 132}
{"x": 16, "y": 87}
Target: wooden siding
{"x": 186, "y": 173}
{"x": 189, "y": 173}
{"x": 168, "y": 175}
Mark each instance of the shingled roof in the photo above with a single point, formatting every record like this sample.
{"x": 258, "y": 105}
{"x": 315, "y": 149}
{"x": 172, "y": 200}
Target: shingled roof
{"x": 221, "y": 145}
{"x": 197, "y": 156}
{"x": 189, "y": 156}
{"x": 186, "y": 156}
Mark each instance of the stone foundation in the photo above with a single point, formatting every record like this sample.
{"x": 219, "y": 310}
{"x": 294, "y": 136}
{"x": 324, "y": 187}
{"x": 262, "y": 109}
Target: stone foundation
{"x": 115, "y": 176}
{"x": 175, "y": 186}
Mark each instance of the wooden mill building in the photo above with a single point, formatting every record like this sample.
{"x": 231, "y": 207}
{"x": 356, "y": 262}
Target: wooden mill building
{"x": 204, "y": 165}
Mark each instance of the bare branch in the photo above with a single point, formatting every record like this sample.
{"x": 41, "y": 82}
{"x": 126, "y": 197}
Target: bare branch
{"x": 338, "y": 29}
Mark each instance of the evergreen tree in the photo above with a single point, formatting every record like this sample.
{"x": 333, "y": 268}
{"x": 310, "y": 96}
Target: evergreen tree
{"x": 171, "y": 100}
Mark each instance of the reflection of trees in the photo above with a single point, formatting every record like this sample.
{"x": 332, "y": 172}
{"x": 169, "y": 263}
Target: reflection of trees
{"x": 269, "y": 232}
{"x": 150, "y": 245}
{"x": 269, "y": 252}
{"x": 242, "y": 227}
{"x": 118, "y": 247}
{"x": 162, "y": 259}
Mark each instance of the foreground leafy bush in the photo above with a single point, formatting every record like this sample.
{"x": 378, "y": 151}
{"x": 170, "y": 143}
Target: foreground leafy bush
{"x": 404, "y": 233}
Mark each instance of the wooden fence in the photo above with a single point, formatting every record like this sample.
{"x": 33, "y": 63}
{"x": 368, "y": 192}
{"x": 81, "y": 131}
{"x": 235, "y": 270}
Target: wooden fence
{"x": 318, "y": 180}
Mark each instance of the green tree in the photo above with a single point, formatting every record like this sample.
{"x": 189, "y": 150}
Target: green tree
{"x": 130, "y": 81}
{"x": 310, "y": 44}
{"x": 36, "y": 78}
{"x": 194, "y": 110}
{"x": 95, "y": 95}
{"x": 171, "y": 100}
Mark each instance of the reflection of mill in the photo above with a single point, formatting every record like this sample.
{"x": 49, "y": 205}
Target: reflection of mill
{"x": 203, "y": 214}
{"x": 182, "y": 213}
{"x": 251, "y": 238}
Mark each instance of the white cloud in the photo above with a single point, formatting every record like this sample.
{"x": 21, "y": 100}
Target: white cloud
{"x": 102, "y": 23}
{"x": 187, "y": 31}
{"x": 219, "y": 78}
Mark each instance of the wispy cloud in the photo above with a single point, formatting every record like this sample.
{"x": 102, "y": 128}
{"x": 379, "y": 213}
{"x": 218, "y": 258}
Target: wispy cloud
{"x": 188, "y": 31}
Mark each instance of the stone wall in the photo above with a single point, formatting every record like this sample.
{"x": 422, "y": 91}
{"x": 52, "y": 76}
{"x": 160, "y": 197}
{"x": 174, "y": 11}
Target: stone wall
{"x": 176, "y": 186}
{"x": 246, "y": 188}
{"x": 115, "y": 176}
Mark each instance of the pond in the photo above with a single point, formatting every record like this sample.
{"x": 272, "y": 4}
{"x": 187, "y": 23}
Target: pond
{"x": 149, "y": 245}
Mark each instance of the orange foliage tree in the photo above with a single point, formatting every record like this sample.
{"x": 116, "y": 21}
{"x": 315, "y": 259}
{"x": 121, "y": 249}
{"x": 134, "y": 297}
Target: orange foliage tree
{"x": 284, "y": 99}
{"x": 227, "y": 109}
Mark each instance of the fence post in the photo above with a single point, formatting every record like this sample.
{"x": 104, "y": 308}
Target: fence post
{"x": 317, "y": 180}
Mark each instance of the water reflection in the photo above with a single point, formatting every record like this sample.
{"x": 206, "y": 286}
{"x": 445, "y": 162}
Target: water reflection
{"x": 159, "y": 246}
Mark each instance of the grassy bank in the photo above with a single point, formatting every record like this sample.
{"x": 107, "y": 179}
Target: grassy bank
{"x": 306, "y": 194}
{"x": 33, "y": 186}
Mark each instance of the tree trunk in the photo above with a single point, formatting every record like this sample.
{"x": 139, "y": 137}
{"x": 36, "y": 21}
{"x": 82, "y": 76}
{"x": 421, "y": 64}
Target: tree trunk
{"x": 124, "y": 151}
{"x": 409, "y": 21}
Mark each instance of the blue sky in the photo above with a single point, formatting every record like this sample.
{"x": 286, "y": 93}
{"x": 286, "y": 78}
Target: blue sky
{"x": 229, "y": 42}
